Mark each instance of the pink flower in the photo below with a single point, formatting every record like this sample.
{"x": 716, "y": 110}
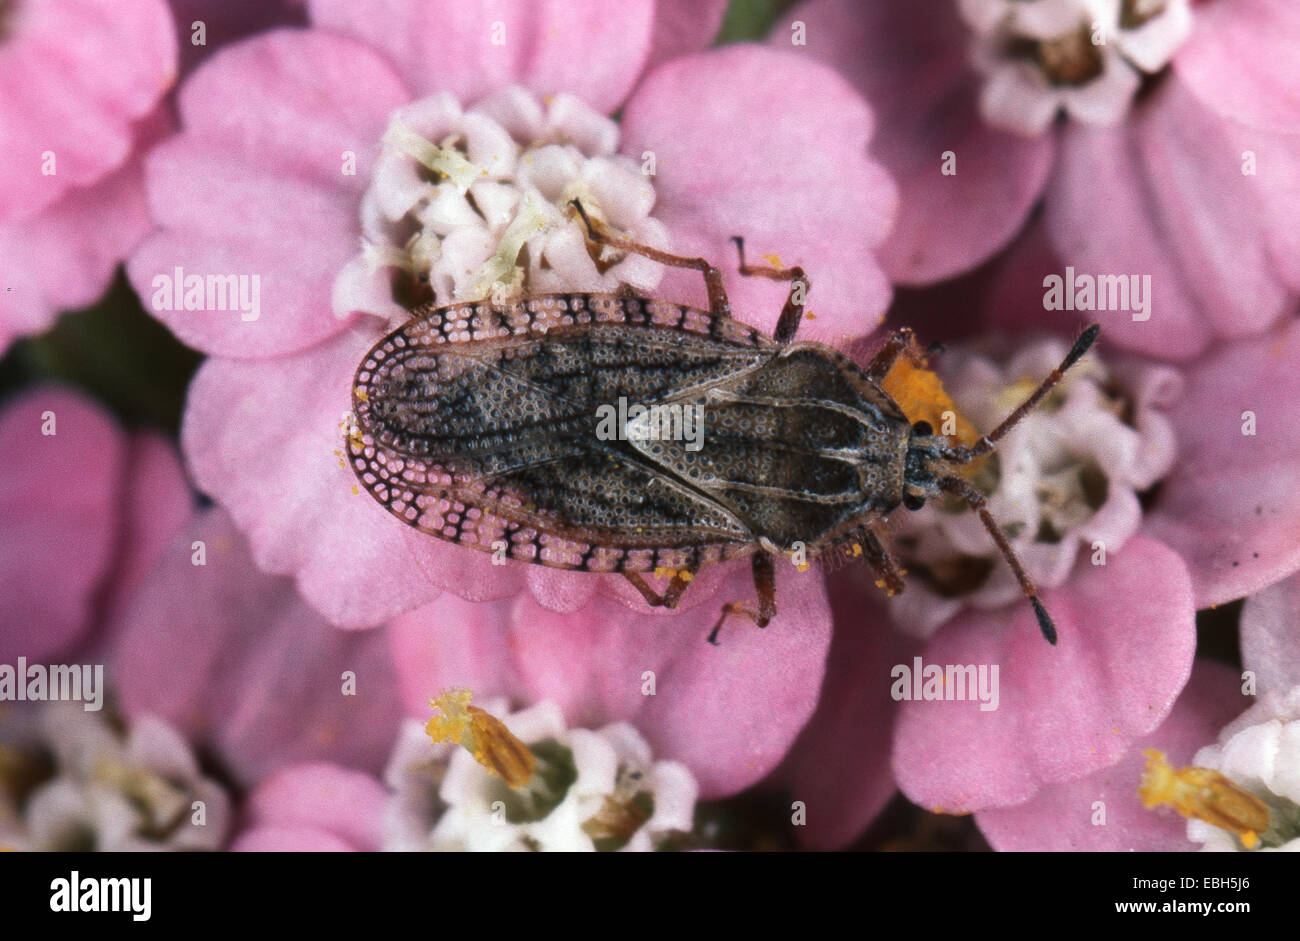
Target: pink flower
{"x": 1191, "y": 506}
{"x": 838, "y": 768}
{"x": 266, "y": 412}
{"x": 1194, "y": 182}
{"x": 586, "y": 792}
{"x": 1067, "y": 816}
{"x": 1228, "y": 503}
{"x": 1127, "y": 636}
{"x": 1102, "y": 811}
{"x": 72, "y": 201}
{"x": 1065, "y": 487}
{"x": 238, "y": 663}
{"x": 313, "y": 807}
{"x": 85, "y": 510}
{"x": 1270, "y": 648}
{"x": 729, "y": 713}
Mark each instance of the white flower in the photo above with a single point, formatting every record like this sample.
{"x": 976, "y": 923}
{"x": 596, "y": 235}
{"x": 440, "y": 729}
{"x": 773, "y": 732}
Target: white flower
{"x": 1260, "y": 752}
{"x": 1066, "y": 477}
{"x": 1083, "y": 57}
{"x": 592, "y": 790}
{"x": 464, "y": 204}
{"x": 106, "y": 791}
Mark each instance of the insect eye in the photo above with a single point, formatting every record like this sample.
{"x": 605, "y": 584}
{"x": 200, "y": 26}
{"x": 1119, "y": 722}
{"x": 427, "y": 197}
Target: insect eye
{"x": 922, "y": 428}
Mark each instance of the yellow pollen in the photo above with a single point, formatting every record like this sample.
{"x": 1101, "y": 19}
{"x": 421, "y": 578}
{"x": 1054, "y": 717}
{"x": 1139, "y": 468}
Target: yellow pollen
{"x": 1204, "y": 794}
{"x": 483, "y": 735}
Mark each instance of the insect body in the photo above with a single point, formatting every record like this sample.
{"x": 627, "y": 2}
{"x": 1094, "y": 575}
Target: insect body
{"x": 477, "y": 423}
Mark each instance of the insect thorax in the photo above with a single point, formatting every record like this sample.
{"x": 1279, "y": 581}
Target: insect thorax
{"x": 797, "y": 448}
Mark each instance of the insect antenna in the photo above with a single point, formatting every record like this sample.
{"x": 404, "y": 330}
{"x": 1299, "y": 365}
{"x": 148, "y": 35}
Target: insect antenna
{"x": 959, "y": 487}
{"x": 964, "y": 455}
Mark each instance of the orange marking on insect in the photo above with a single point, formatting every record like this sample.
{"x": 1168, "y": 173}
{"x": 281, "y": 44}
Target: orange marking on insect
{"x": 919, "y": 392}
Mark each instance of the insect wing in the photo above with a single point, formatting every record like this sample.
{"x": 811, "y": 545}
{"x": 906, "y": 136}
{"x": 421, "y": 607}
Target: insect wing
{"x": 479, "y": 424}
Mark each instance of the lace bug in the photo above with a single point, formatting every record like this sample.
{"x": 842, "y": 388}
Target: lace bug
{"x": 475, "y": 422}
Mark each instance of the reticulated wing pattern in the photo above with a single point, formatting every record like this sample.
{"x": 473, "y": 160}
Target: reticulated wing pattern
{"x": 478, "y": 423}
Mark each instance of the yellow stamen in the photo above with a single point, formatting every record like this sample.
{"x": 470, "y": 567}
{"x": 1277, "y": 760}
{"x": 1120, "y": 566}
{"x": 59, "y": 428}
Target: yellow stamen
{"x": 163, "y": 801}
{"x": 1205, "y": 794}
{"x": 483, "y": 735}
{"x": 447, "y": 161}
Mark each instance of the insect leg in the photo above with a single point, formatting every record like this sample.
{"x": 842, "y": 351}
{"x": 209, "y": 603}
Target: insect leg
{"x": 959, "y": 487}
{"x": 672, "y": 594}
{"x": 765, "y": 585}
{"x": 792, "y": 312}
{"x": 901, "y": 341}
{"x": 719, "y": 306}
{"x": 891, "y": 576}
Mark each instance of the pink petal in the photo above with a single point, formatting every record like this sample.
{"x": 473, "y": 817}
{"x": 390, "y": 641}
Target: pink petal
{"x": 839, "y": 765}
{"x": 59, "y": 519}
{"x": 1011, "y": 291}
{"x": 911, "y": 62}
{"x": 1270, "y": 643}
{"x": 1177, "y": 208}
{"x": 1231, "y": 506}
{"x": 563, "y": 591}
{"x": 266, "y": 440}
{"x": 1240, "y": 61}
{"x": 729, "y": 712}
{"x": 65, "y": 256}
{"x": 254, "y": 186}
{"x": 452, "y": 643}
{"x": 156, "y": 504}
{"x": 1062, "y": 816}
{"x": 74, "y": 78}
{"x": 325, "y": 797}
{"x": 787, "y": 185}
{"x": 683, "y": 26}
{"x": 273, "y": 839}
{"x": 235, "y": 659}
{"x": 473, "y": 47}
{"x": 1127, "y": 636}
